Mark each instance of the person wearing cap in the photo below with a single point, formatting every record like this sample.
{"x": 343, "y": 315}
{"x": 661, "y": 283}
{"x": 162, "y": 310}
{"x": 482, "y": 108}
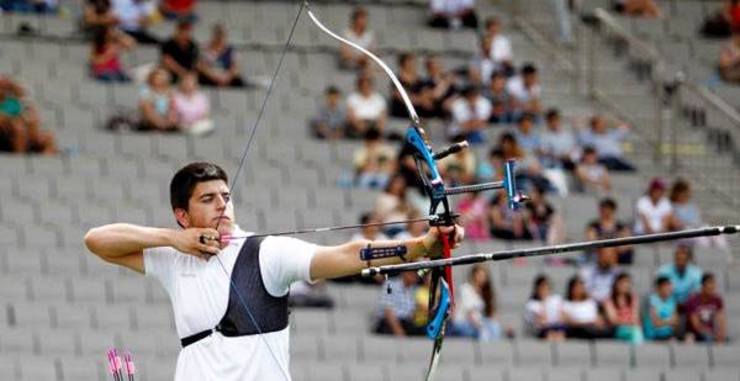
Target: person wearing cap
{"x": 654, "y": 210}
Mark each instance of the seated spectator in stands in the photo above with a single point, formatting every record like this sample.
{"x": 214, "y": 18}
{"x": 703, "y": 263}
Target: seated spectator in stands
{"x": 660, "y": 320}
{"x": 219, "y": 64}
{"x": 156, "y": 106}
{"x": 544, "y": 223}
{"x": 415, "y": 229}
{"x": 607, "y": 143}
{"x": 475, "y": 307}
{"x": 180, "y": 54}
{"x": 721, "y": 24}
{"x": 105, "y": 55}
{"x": 527, "y": 135}
{"x": 414, "y": 85}
{"x": 685, "y": 276}
{"x": 473, "y": 209}
{"x": 366, "y": 109}
{"x": 543, "y": 311}
{"x": 581, "y": 314}
{"x": 505, "y": 223}
{"x": 331, "y": 121}
{"x": 481, "y": 66}
{"x": 453, "y": 14}
{"x": 20, "y": 124}
{"x": 705, "y": 313}
{"x": 133, "y": 18}
{"x": 470, "y": 114}
{"x": 529, "y": 171}
{"x": 607, "y": 226}
{"x": 35, "y": 6}
{"x": 592, "y": 176}
{"x": 397, "y": 308}
{"x": 501, "y": 100}
{"x": 622, "y": 310}
{"x": 654, "y": 211}
{"x": 392, "y": 205}
{"x": 729, "y": 58}
{"x": 526, "y": 90}
{"x": 311, "y": 295}
{"x": 686, "y": 215}
{"x": 459, "y": 168}
{"x": 192, "y": 107}
{"x": 373, "y": 163}
{"x": 500, "y": 50}
{"x": 645, "y": 8}
{"x": 559, "y": 147}
{"x": 440, "y": 83}
{"x": 599, "y": 276}
{"x": 371, "y": 233}
{"x": 178, "y": 9}
{"x": 97, "y": 14}
{"x": 359, "y": 33}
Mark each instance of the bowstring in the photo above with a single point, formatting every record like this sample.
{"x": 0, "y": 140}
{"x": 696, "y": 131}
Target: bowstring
{"x": 242, "y": 161}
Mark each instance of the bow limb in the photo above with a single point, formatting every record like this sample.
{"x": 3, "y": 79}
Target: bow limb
{"x": 404, "y": 95}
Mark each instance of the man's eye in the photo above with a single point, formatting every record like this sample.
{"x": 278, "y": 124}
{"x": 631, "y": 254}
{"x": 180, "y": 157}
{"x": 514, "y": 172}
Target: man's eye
{"x": 227, "y": 197}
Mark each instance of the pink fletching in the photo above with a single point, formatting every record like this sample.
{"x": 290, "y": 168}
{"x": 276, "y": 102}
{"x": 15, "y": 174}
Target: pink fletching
{"x": 111, "y": 362}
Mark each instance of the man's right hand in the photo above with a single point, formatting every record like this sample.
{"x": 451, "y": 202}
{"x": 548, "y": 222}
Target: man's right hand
{"x": 189, "y": 241}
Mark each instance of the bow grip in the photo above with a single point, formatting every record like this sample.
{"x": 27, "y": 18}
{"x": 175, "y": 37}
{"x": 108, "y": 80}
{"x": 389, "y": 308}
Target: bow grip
{"x": 435, "y": 326}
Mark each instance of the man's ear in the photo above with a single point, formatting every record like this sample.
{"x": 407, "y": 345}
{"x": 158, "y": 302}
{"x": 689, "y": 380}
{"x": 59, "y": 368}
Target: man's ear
{"x": 182, "y": 217}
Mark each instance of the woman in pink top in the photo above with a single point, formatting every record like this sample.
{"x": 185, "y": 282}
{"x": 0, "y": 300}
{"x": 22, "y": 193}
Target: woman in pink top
{"x": 623, "y": 310}
{"x": 105, "y": 55}
{"x": 192, "y": 106}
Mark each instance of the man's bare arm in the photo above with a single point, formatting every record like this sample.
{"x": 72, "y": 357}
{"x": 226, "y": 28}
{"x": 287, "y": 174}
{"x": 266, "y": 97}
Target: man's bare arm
{"x": 124, "y": 244}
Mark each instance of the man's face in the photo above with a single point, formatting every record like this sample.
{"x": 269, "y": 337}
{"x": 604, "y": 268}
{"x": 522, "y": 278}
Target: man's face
{"x": 681, "y": 257}
{"x": 530, "y": 79}
{"x": 209, "y": 206}
{"x": 606, "y": 212}
{"x": 606, "y": 257}
{"x": 665, "y": 290}
{"x": 709, "y": 287}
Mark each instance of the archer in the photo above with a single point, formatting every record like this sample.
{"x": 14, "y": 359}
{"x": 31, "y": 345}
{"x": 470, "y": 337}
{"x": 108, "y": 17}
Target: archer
{"x": 220, "y": 339}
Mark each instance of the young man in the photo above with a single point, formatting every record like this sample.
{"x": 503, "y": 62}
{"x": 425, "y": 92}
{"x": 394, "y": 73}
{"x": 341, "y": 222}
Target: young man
{"x": 705, "y": 312}
{"x": 219, "y": 336}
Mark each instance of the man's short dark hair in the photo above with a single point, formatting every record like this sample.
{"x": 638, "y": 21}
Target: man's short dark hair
{"x": 527, "y": 117}
{"x": 589, "y": 150}
{"x": 185, "y": 180}
{"x": 661, "y": 280}
{"x": 608, "y": 202}
{"x": 706, "y": 278}
{"x": 529, "y": 68}
{"x": 332, "y": 90}
{"x": 552, "y": 113}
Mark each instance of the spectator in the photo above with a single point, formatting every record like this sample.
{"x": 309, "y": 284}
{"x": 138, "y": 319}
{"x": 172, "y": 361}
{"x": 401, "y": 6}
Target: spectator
{"x": 544, "y": 222}
{"x": 97, "y": 14}
{"x": 501, "y": 100}
{"x": 607, "y": 226}
{"x": 396, "y": 315}
{"x": 20, "y": 125}
{"x": 192, "y": 107}
{"x": 542, "y": 312}
{"x": 706, "y": 314}
{"x": 453, "y": 14}
{"x": 133, "y": 16}
{"x": 559, "y": 148}
{"x": 592, "y": 176}
{"x": 581, "y": 314}
{"x": 178, "y": 9}
{"x": 105, "y": 55}
{"x": 470, "y": 114}
{"x": 156, "y": 105}
{"x": 645, "y": 8}
{"x": 180, "y": 53}
{"x": 525, "y": 89}
{"x": 359, "y": 33}
{"x": 685, "y": 277}
{"x": 331, "y": 122}
{"x": 440, "y": 83}
{"x": 481, "y": 66}
{"x": 660, "y": 320}
{"x": 500, "y": 47}
{"x": 392, "y": 205}
{"x": 366, "y": 109}
{"x": 369, "y": 232}
{"x": 527, "y": 135}
{"x": 506, "y": 223}
{"x": 219, "y": 64}
{"x": 721, "y": 24}
{"x": 686, "y": 215}
{"x": 473, "y": 209}
{"x": 415, "y": 229}
{"x": 475, "y": 311}
{"x": 311, "y": 295}
{"x": 373, "y": 163}
{"x": 599, "y": 277}
{"x": 529, "y": 171}
{"x": 459, "y": 167}
{"x": 729, "y": 58}
{"x": 623, "y": 310}
{"x": 654, "y": 211}
{"x": 607, "y": 143}
{"x": 412, "y": 82}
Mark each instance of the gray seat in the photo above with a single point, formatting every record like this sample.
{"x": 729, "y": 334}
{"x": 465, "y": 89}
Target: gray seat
{"x": 725, "y": 356}
{"x": 690, "y": 356}
{"x": 642, "y": 375}
{"x": 340, "y": 349}
{"x": 37, "y": 368}
{"x": 603, "y": 374}
{"x": 533, "y": 353}
{"x": 652, "y": 355}
{"x": 724, "y": 374}
{"x": 683, "y": 375}
{"x": 498, "y": 353}
{"x": 572, "y": 354}
{"x": 612, "y": 354}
